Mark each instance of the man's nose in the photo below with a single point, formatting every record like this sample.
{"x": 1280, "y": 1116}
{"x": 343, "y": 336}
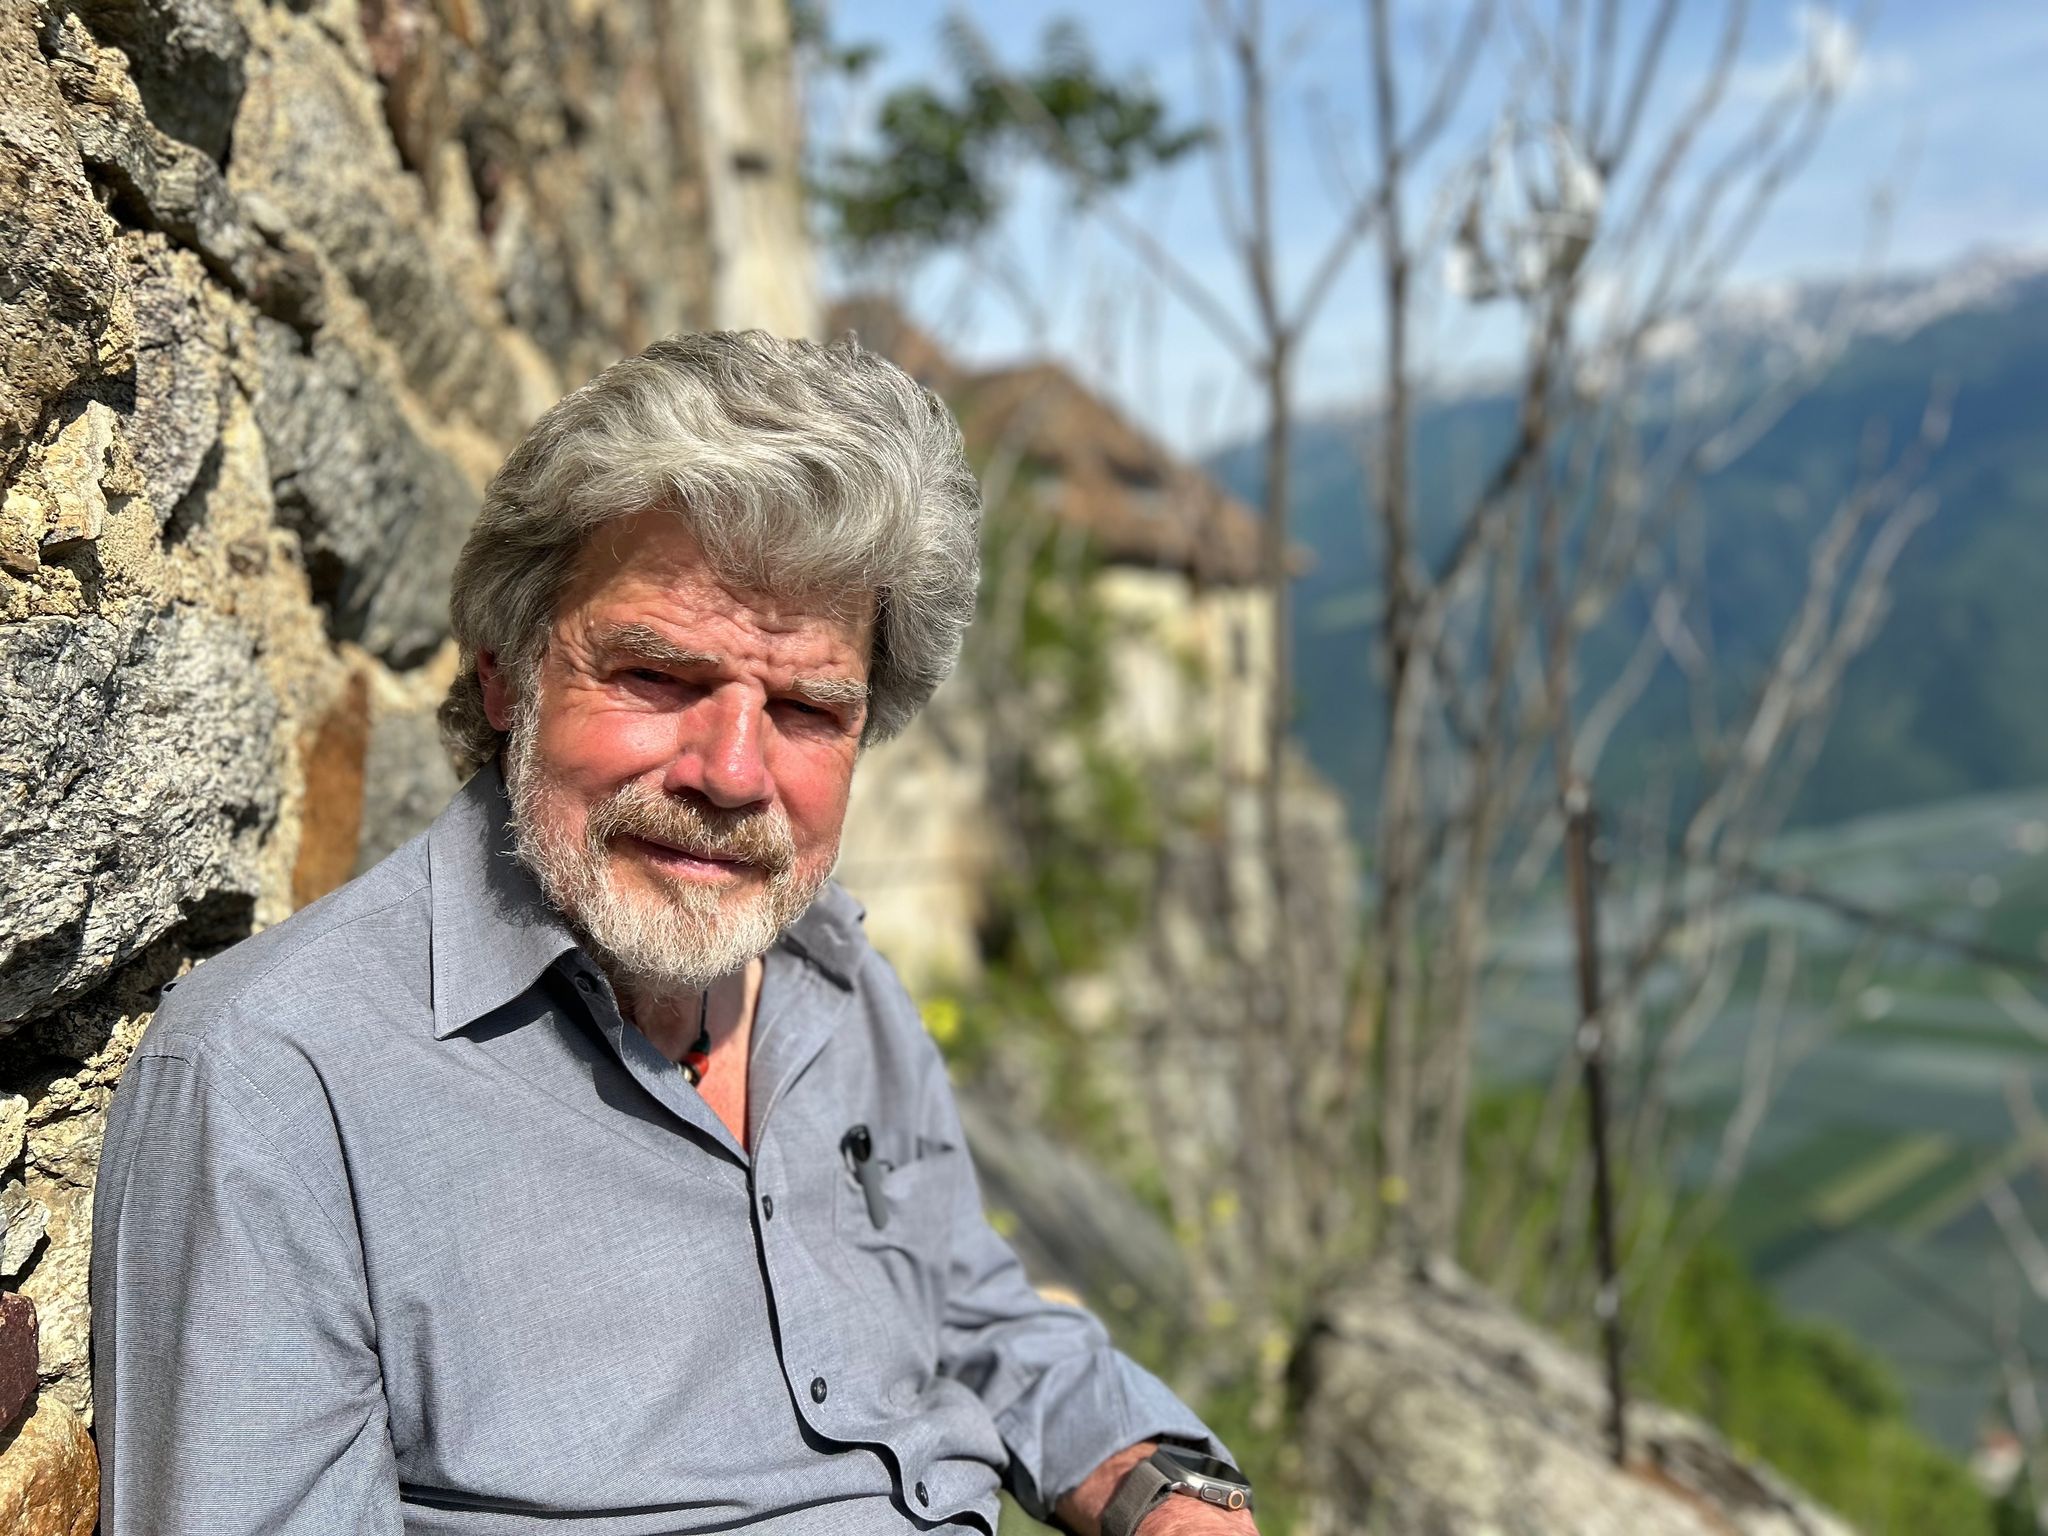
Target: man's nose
{"x": 722, "y": 755}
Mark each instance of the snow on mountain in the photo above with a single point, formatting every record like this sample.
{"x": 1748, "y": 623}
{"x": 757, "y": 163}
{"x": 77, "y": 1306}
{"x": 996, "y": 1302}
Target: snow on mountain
{"x": 1798, "y": 322}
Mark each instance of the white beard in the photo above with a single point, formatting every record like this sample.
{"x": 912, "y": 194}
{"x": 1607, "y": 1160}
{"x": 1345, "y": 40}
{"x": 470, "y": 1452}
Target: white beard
{"x": 682, "y": 937}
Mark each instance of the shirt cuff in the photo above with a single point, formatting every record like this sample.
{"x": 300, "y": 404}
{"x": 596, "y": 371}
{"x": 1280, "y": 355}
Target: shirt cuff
{"x": 1081, "y": 1413}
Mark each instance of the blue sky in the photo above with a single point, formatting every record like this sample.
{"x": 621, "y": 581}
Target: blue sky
{"x": 1943, "y": 105}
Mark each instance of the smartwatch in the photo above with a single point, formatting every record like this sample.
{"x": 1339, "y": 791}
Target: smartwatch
{"x": 1172, "y": 1470}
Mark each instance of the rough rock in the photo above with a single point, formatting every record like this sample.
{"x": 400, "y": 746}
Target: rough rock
{"x": 60, "y": 1282}
{"x": 13, "y": 1128}
{"x": 56, "y": 284}
{"x": 332, "y": 825}
{"x": 181, "y": 373}
{"x": 312, "y": 135}
{"x": 17, "y": 1358}
{"x": 279, "y": 287}
{"x": 407, "y": 780}
{"x": 137, "y": 775}
{"x": 22, "y": 520}
{"x": 188, "y": 60}
{"x": 24, "y": 1223}
{"x": 69, "y": 1061}
{"x": 157, "y": 183}
{"x": 75, "y": 468}
{"x": 1073, "y": 1226}
{"x": 49, "y": 1475}
{"x": 380, "y": 512}
{"x": 1430, "y": 1409}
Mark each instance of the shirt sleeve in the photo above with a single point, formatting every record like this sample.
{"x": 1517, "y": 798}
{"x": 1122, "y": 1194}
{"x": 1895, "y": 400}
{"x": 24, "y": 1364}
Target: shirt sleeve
{"x": 234, "y": 1365}
{"x": 1064, "y": 1398}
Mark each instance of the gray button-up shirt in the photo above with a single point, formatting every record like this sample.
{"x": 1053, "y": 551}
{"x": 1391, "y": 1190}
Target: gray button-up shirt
{"x": 401, "y": 1228}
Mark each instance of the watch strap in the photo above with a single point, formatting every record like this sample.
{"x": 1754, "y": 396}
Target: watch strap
{"x": 1144, "y": 1487}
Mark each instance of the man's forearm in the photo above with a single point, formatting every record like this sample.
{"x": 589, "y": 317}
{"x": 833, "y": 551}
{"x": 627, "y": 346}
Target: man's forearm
{"x": 1081, "y": 1511}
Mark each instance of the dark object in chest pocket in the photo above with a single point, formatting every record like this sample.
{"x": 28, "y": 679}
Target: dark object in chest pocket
{"x": 894, "y": 1224}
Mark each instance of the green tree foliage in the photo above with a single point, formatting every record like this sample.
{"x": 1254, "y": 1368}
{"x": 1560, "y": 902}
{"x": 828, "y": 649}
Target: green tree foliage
{"x": 1083, "y": 816}
{"x": 2014, "y": 1512}
{"x": 944, "y": 157}
{"x": 816, "y": 48}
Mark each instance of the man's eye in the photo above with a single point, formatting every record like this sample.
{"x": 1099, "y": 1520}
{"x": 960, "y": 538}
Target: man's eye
{"x": 649, "y": 675}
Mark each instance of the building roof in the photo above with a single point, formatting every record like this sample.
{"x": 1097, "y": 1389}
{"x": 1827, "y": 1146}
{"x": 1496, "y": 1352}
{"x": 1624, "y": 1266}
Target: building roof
{"x": 883, "y": 327}
{"x": 1088, "y": 463}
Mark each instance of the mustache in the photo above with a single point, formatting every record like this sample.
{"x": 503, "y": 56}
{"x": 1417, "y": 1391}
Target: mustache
{"x": 761, "y": 838}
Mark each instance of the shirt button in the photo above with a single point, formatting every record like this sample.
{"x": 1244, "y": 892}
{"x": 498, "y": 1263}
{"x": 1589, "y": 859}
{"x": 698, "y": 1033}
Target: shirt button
{"x": 584, "y": 983}
{"x": 818, "y": 1389}
{"x": 767, "y": 1207}
{"x": 922, "y": 1496}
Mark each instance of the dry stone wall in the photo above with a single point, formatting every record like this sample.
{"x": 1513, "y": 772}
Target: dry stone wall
{"x": 279, "y": 285}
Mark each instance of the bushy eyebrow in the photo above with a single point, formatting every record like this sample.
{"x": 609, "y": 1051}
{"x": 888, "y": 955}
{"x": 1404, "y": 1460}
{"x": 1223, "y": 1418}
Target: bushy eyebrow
{"x": 642, "y": 642}
{"x": 845, "y": 692}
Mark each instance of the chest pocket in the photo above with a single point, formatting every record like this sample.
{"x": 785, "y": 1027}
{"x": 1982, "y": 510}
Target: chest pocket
{"x": 901, "y": 1258}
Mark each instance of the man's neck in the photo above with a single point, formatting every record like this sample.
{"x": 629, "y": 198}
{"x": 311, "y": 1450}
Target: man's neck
{"x": 671, "y": 1023}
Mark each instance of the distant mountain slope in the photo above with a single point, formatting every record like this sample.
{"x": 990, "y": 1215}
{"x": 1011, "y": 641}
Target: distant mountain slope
{"x": 1953, "y": 696}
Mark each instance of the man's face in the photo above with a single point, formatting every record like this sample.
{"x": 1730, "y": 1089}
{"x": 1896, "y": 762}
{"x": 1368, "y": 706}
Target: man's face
{"x": 679, "y": 769}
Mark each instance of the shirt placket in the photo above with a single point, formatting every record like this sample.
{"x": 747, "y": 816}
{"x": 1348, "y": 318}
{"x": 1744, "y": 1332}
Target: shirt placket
{"x": 799, "y": 1012}
{"x": 801, "y": 1009}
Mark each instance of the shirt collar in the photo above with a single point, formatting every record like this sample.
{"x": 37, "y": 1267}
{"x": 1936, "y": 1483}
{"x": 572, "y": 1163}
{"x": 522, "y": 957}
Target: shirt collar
{"x": 495, "y": 933}
{"x": 829, "y": 934}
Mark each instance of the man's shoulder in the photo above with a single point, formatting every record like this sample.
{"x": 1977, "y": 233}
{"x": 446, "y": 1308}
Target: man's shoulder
{"x": 834, "y": 935}
{"x": 895, "y": 1024}
{"x": 357, "y": 954}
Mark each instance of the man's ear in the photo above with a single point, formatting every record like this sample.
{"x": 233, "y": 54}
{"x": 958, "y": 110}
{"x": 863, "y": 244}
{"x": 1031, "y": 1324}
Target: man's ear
{"x": 497, "y": 690}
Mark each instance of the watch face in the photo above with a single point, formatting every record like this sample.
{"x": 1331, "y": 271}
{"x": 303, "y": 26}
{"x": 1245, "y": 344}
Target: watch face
{"x": 1204, "y": 1466}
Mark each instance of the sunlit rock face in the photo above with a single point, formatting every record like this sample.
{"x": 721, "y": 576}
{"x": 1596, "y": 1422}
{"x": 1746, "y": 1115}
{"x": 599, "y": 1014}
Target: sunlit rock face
{"x": 1430, "y": 1409}
{"x": 279, "y": 287}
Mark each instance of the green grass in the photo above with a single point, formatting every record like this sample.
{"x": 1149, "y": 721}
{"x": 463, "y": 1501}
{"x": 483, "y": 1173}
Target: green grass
{"x": 1860, "y": 1190}
{"x": 1768, "y": 1207}
{"x": 1809, "y": 1400}
{"x": 1914, "y": 1211}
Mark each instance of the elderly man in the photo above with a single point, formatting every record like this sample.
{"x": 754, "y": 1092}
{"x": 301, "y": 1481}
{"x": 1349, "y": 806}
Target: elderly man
{"x": 581, "y": 1168}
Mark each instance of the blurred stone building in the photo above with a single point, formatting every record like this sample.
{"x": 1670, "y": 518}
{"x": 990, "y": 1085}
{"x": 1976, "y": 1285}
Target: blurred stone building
{"x": 1175, "y": 563}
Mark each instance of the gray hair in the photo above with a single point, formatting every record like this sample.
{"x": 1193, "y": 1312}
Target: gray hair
{"x": 801, "y": 470}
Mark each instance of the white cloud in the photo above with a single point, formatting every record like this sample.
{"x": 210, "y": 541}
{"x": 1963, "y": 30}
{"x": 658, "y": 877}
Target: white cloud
{"x": 1827, "y": 53}
{"x": 1832, "y": 45}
